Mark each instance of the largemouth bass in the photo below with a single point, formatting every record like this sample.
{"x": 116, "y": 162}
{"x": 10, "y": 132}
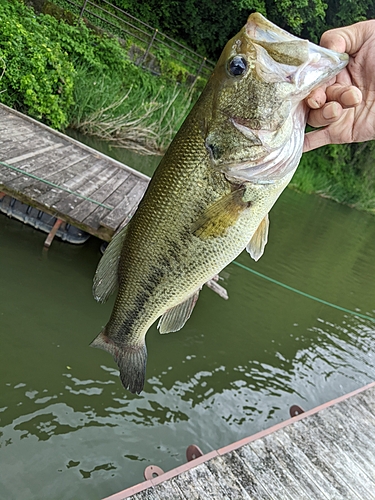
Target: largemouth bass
{"x": 210, "y": 196}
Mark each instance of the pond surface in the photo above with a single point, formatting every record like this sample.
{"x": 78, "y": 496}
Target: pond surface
{"x": 68, "y": 429}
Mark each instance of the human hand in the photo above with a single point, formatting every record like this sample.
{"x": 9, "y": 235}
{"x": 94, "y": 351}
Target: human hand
{"x": 345, "y": 108}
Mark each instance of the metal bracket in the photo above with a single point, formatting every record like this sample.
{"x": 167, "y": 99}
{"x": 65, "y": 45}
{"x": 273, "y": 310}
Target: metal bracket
{"x": 193, "y": 452}
{"x": 52, "y": 233}
{"x": 295, "y": 410}
{"x": 152, "y": 471}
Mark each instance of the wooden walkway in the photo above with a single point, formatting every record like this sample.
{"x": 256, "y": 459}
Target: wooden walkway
{"x": 325, "y": 453}
{"x": 64, "y": 178}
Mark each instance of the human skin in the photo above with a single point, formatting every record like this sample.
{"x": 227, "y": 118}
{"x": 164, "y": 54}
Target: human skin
{"x": 344, "y": 110}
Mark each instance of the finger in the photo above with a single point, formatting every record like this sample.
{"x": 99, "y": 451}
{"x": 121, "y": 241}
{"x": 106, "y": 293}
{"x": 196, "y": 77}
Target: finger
{"x": 348, "y": 39}
{"x": 334, "y": 40}
{"x": 348, "y": 97}
{"x": 329, "y": 113}
{"x": 317, "y": 98}
{"x": 316, "y": 139}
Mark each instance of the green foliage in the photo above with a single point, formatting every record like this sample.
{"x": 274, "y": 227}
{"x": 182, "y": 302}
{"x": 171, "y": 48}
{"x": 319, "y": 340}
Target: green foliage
{"x": 301, "y": 17}
{"x": 206, "y": 26}
{"x": 39, "y": 54}
{"x": 344, "y": 173}
{"x": 143, "y": 116}
{"x": 38, "y": 76}
{"x": 345, "y": 12}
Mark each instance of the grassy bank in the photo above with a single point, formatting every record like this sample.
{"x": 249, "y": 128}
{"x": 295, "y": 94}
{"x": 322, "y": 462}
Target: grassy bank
{"x": 66, "y": 75}
{"x": 344, "y": 173}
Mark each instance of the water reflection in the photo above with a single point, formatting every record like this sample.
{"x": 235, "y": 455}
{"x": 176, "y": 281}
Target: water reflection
{"x": 235, "y": 369}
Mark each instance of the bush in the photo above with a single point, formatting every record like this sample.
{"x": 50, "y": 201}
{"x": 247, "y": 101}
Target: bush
{"x": 38, "y": 76}
{"x": 39, "y": 54}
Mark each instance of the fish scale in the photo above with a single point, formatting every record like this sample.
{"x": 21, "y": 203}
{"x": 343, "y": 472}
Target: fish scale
{"x": 210, "y": 196}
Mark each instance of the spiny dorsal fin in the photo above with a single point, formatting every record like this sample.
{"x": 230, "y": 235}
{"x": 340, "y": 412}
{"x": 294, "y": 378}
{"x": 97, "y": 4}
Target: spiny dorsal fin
{"x": 219, "y": 216}
{"x": 105, "y": 279}
{"x": 257, "y": 243}
{"x": 175, "y": 318}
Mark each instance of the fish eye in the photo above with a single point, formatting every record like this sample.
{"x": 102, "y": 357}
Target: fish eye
{"x": 237, "y": 66}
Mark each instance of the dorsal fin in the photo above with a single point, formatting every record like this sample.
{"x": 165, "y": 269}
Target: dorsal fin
{"x": 259, "y": 239}
{"x": 175, "y": 318}
{"x": 106, "y": 277}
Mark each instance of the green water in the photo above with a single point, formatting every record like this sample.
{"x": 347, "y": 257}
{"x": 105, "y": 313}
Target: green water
{"x": 68, "y": 430}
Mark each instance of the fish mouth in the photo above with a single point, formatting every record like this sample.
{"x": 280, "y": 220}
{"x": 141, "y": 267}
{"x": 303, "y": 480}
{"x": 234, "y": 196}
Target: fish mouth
{"x": 283, "y": 56}
{"x": 276, "y": 162}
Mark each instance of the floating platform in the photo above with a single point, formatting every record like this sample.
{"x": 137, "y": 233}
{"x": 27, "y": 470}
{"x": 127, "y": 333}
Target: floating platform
{"x": 40, "y": 220}
{"x": 55, "y": 174}
{"x": 322, "y": 454}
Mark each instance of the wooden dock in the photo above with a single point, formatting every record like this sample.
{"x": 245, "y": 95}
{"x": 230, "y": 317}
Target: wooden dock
{"x": 64, "y": 178}
{"x": 325, "y": 453}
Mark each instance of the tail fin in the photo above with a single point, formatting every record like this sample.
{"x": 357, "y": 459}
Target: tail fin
{"x": 131, "y": 361}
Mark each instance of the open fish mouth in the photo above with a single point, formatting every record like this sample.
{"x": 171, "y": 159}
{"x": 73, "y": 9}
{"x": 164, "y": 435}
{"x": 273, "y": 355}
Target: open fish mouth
{"x": 283, "y": 56}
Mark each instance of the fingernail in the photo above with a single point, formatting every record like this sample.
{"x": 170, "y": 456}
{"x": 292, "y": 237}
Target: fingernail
{"x": 313, "y": 103}
{"x": 351, "y": 97}
{"x": 331, "y": 111}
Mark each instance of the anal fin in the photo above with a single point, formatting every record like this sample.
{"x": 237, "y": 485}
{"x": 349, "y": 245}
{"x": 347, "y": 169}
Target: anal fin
{"x": 175, "y": 318}
{"x": 259, "y": 240}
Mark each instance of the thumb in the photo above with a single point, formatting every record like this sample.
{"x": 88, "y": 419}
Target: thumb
{"x": 316, "y": 139}
{"x": 348, "y": 39}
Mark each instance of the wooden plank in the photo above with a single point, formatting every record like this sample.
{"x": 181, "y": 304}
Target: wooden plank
{"x": 355, "y": 428}
{"x": 90, "y": 214}
{"x": 350, "y": 437}
{"x": 280, "y": 466}
{"x": 86, "y": 184}
{"x": 16, "y": 159}
{"x": 367, "y": 402}
{"x": 46, "y": 172}
{"x": 95, "y": 218}
{"x": 16, "y": 143}
{"x": 369, "y": 398}
{"x": 146, "y": 495}
{"x": 125, "y": 209}
{"x": 318, "y": 455}
{"x": 12, "y": 146}
{"x": 190, "y": 489}
{"x": 302, "y": 478}
{"x": 48, "y": 195}
{"x": 227, "y": 480}
{"x": 170, "y": 491}
{"x": 202, "y": 476}
{"x": 307, "y": 467}
{"x": 337, "y": 462}
{"x": 244, "y": 473}
{"x": 265, "y": 475}
{"x": 21, "y": 130}
{"x": 35, "y": 165}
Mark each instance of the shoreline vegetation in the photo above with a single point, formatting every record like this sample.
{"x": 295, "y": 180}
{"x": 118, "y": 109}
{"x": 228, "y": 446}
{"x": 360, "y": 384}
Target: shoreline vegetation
{"x": 67, "y": 75}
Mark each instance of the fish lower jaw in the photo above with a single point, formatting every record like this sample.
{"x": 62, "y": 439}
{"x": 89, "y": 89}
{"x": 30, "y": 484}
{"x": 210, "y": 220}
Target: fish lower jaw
{"x": 273, "y": 167}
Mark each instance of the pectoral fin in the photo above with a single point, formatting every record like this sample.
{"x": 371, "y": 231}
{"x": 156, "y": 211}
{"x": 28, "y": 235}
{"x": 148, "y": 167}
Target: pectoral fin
{"x": 175, "y": 318}
{"x": 220, "y": 215}
{"x": 106, "y": 277}
{"x": 257, "y": 243}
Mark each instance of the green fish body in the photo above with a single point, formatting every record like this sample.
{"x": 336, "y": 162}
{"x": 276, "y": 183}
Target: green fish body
{"x": 210, "y": 196}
